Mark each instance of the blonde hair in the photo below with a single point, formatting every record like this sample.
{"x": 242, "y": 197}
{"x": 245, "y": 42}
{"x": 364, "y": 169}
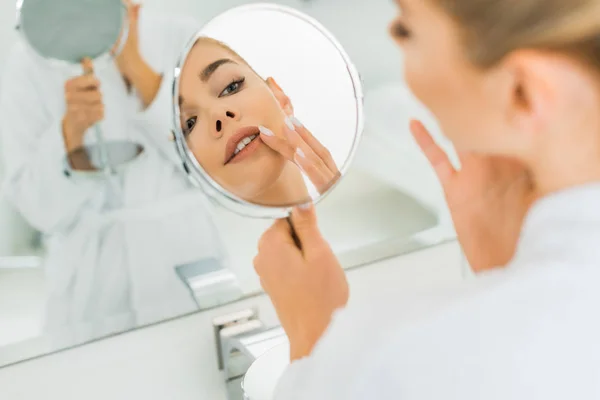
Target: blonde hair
{"x": 492, "y": 29}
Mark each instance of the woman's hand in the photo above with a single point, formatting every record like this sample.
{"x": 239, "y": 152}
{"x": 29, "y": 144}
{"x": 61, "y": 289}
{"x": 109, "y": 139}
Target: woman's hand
{"x": 306, "y": 286}
{"x": 84, "y": 106}
{"x": 488, "y": 199}
{"x": 302, "y": 148}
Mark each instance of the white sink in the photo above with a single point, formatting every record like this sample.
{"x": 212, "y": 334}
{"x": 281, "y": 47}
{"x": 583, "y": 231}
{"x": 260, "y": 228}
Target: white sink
{"x": 366, "y": 219}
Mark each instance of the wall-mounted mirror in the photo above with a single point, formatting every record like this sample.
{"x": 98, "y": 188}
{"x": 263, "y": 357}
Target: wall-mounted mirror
{"x": 175, "y": 231}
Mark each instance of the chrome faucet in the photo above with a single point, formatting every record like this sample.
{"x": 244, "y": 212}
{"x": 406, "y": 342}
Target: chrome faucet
{"x": 241, "y": 338}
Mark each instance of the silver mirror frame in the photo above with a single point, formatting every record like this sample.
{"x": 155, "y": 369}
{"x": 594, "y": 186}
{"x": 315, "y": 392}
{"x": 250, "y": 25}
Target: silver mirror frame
{"x": 192, "y": 167}
{"x": 102, "y": 60}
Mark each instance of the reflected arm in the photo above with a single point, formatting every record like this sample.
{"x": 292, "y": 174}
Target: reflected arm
{"x": 146, "y": 82}
{"x": 161, "y": 42}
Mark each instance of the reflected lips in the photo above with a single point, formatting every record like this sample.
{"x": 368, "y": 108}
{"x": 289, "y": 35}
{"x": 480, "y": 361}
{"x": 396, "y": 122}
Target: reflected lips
{"x": 242, "y": 144}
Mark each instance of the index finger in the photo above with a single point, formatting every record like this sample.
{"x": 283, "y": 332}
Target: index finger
{"x": 314, "y": 144}
{"x": 282, "y": 146}
{"x": 437, "y": 157}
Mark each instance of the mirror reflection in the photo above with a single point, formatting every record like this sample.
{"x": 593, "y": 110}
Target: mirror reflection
{"x": 123, "y": 205}
{"x": 266, "y": 125}
{"x": 109, "y": 246}
{"x": 242, "y": 130}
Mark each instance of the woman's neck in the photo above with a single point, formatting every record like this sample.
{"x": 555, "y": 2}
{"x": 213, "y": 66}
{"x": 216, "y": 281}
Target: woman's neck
{"x": 551, "y": 180}
{"x": 563, "y": 167}
{"x": 289, "y": 189}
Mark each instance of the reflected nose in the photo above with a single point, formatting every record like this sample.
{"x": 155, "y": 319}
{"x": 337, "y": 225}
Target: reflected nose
{"x": 222, "y": 119}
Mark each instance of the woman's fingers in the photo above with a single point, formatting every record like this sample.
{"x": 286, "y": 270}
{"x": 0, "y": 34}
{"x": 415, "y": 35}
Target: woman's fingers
{"x": 280, "y": 145}
{"x": 294, "y": 148}
{"x": 318, "y": 176}
{"x": 315, "y": 145}
{"x": 296, "y": 140}
{"x": 90, "y": 97}
{"x": 437, "y": 157}
{"x": 83, "y": 82}
{"x": 306, "y": 158}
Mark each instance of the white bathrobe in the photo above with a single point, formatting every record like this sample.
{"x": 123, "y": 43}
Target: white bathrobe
{"x": 106, "y": 270}
{"x": 530, "y": 331}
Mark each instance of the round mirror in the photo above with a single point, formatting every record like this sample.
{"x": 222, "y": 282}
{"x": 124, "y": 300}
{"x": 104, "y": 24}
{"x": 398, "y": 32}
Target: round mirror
{"x": 267, "y": 110}
{"x": 65, "y": 32}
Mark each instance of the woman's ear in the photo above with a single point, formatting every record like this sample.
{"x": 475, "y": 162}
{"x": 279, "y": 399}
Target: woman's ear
{"x": 284, "y": 102}
{"x": 540, "y": 93}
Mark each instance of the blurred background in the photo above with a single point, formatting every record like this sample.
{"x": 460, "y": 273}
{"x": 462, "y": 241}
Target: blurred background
{"x": 361, "y": 27}
{"x": 363, "y": 38}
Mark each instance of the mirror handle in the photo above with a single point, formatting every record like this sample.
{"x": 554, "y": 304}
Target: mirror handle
{"x": 294, "y": 234}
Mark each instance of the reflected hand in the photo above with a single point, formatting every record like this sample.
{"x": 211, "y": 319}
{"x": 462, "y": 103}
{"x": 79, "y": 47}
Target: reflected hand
{"x": 84, "y": 106}
{"x": 134, "y": 69}
{"x": 306, "y": 286}
{"x": 302, "y": 148}
{"x": 488, "y": 199}
{"x": 129, "y": 59}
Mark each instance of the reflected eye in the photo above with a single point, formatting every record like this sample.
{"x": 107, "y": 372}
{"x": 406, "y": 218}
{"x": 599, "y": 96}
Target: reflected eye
{"x": 400, "y": 31}
{"x": 233, "y": 87}
{"x": 189, "y": 125}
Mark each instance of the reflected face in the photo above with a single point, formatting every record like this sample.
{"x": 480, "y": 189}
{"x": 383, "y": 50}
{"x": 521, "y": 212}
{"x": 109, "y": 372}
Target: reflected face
{"x": 223, "y": 102}
{"x": 463, "y": 97}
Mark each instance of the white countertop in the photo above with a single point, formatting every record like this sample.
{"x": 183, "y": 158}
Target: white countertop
{"x": 177, "y": 359}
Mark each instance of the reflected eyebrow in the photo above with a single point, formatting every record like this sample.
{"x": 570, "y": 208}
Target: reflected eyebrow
{"x": 212, "y": 67}
{"x": 182, "y": 106}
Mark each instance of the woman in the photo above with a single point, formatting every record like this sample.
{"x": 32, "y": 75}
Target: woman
{"x": 241, "y": 129}
{"x": 527, "y": 200}
{"x": 107, "y": 269}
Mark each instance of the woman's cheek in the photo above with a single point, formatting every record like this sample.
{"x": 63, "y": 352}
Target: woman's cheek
{"x": 269, "y": 110}
{"x": 416, "y": 82}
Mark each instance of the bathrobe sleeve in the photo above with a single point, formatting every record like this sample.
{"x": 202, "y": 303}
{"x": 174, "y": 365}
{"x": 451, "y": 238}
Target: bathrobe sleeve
{"x": 33, "y": 150}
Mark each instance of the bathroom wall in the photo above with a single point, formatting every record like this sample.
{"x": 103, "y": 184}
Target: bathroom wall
{"x": 359, "y": 25}
{"x": 7, "y": 31}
